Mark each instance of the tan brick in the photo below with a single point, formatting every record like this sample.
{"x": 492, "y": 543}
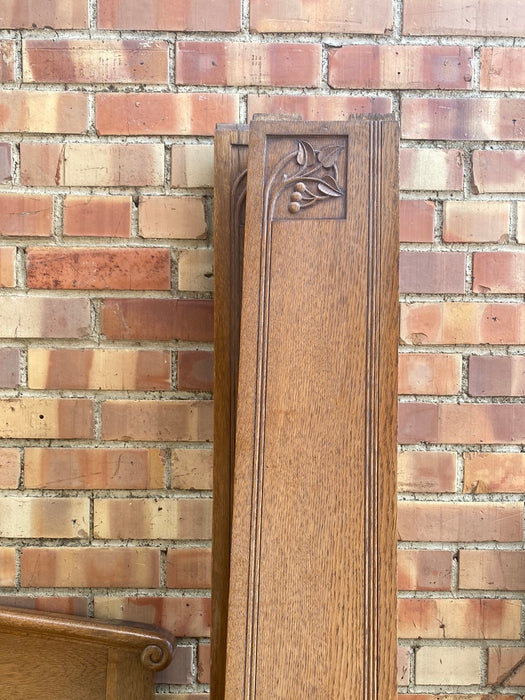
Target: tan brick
{"x": 44, "y": 317}
{"x": 187, "y": 617}
{"x": 163, "y": 15}
{"x": 242, "y": 63}
{"x": 42, "y": 418}
{"x": 22, "y": 517}
{"x": 195, "y": 370}
{"x": 416, "y": 221}
{"x": 506, "y": 666}
{"x": 9, "y": 365}
{"x": 498, "y": 171}
{"x": 492, "y": 570}
{"x": 7, "y": 269}
{"x": 458, "y": 17}
{"x": 494, "y": 472}
{"x": 430, "y": 169}
{"x": 502, "y": 68}
{"x": 431, "y": 272}
{"x": 191, "y": 469}
{"x": 192, "y": 165}
{"x": 164, "y": 114}
{"x": 26, "y": 214}
{"x": 68, "y": 605}
{"x": 161, "y": 519}
{"x": 196, "y": 270}
{"x": 95, "y": 61}
{"x": 424, "y": 570}
{"x": 459, "y": 522}
{"x": 172, "y": 217}
{"x": 157, "y": 420}
{"x": 496, "y": 376}
{"x": 55, "y": 14}
{"x": 476, "y": 222}
{"x": 89, "y": 468}
{"x": 429, "y": 374}
{"x": 448, "y": 666}
{"x": 426, "y": 472}
{"x": 9, "y": 467}
{"x": 7, "y": 566}
{"x": 43, "y": 112}
{"x": 90, "y": 567}
{"x": 317, "y": 107}
{"x": 189, "y": 568}
{"x": 92, "y": 164}
{"x": 97, "y": 216}
{"x": 7, "y": 61}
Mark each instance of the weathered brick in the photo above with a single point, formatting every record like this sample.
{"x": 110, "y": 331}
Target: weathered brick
{"x": 187, "y": 617}
{"x": 496, "y": 375}
{"x": 498, "y": 171}
{"x": 9, "y": 362}
{"x": 26, "y": 214}
{"x": 520, "y": 228}
{"x": 416, "y": 221}
{"x": 6, "y": 162}
{"x": 455, "y": 696}
{"x": 164, "y": 114}
{"x": 317, "y": 107}
{"x": 69, "y": 605}
{"x": 459, "y": 17}
{"x": 172, "y": 217}
{"x": 97, "y": 216}
{"x": 494, "y": 472}
{"x": 427, "y": 272}
{"x": 403, "y": 666}
{"x": 189, "y": 568}
{"x": 35, "y": 14}
{"x": 457, "y": 323}
{"x": 22, "y": 517}
{"x": 432, "y": 472}
{"x": 7, "y": 566}
{"x": 424, "y": 570}
{"x": 242, "y": 63}
{"x": 476, "y": 222}
{"x": 44, "y": 317}
{"x": 204, "y": 665}
{"x": 43, "y": 112}
{"x": 506, "y": 666}
{"x": 157, "y": 319}
{"x": 492, "y": 570}
{"x": 462, "y": 118}
{"x": 108, "y": 369}
{"x": 98, "y": 268}
{"x": 91, "y": 164}
{"x": 196, "y": 696}
{"x": 430, "y": 169}
{"x": 90, "y": 567}
{"x": 163, "y": 15}
{"x": 7, "y": 60}
{"x": 9, "y": 467}
{"x": 195, "y": 370}
{"x": 161, "y": 519}
{"x": 192, "y": 165}
{"x": 502, "y": 68}
{"x": 448, "y": 665}
{"x": 459, "y": 522}
{"x": 330, "y": 16}
{"x": 95, "y": 61}
{"x": 180, "y": 670}
{"x": 88, "y": 468}
{"x": 7, "y": 270}
{"x": 429, "y": 374}
{"x": 196, "y": 270}
{"x": 384, "y": 66}
{"x": 191, "y": 469}
{"x": 161, "y": 420}
{"x": 46, "y": 418}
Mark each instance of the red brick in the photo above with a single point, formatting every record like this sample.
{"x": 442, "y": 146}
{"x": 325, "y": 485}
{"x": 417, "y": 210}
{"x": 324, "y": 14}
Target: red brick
{"x": 9, "y": 363}
{"x": 158, "y": 319}
{"x": 7, "y": 269}
{"x": 44, "y": 317}
{"x": 6, "y": 163}
{"x": 502, "y": 68}
{"x": 46, "y": 418}
{"x": 189, "y": 568}
{"x": 506, "y": 666}
{"x": 180, "y": 670}
{"x": 424, "y": 570}
{"x": 183, "y": 114}
{"x": 43, "y": 112}
{"x": 422, "y": 472}
{"x": 429, "y": 374}
{"x": 97, "y": 216}
{"x": 242, "y": 63}
{"x": 196, "y": 270}
{"x": 191, "y": 469}
{"x": 494, "y": 472}
{"x": 172, "y": 217}
{"x": 68, "y": 605}
{"x": 158, "y": 420}
{"x": 454, "y": 696}
{"x": 203, "y": 667}
{"x": 520, "y": 230}
{"x": 35, "y": 14}
{"x": 89, "y": 468}
{"x": 318, "y": 107}
{"x": 403, "y": 666}
{"x": 9, "y": 467}
{"x": 476, "y": 222}
{"x": 492, "y": 570}
{"x": 26, "y": 214}
{"x": 430, "y": 169}
{"x": 187, "y": 617}
{"x": 444, "y": 618}
{"x": 462, "y": 17}
{"x": 459, "y": 522}
{"x": 98, "y": 369}
{"x": 7, "y": 566}
{"x": 90, "y": 567}
{"x": 329, "y": 16}
{"x": 416, "y": 221}
{"x": 461, "y": 118}
{"x": 95, "y": 61}
{"x": 163, "y": 15}
{"x": 498, "y": 171}
{"x": 192, "y": 165}
{"x": 496, "y": 375}
{"x": 92, "y": 164}
{"x": 24, "y": 517}
{"x": 7, "y": 60}
{"x": 98, "y": 268}
{"x": 195, "y": 370}
{"x": 372, "y": 66}
{"x": 426, "y": 272}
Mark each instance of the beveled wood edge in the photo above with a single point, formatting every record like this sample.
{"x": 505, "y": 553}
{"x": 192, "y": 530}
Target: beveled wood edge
{"x": 156, "y": 645}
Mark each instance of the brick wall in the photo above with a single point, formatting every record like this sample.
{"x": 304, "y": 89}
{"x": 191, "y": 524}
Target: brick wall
{"x": 107, "y": 111}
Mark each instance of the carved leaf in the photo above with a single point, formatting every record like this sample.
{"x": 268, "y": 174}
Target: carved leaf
{"x": 329, "y": 187}
{"x": 305, "y": 153}
{"x": 328, "y": 155}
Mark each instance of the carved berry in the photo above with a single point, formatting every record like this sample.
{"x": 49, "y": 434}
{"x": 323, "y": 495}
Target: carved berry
{"x": 296, "y": 197}
{"x": 294, "y": 207}
{"x": 300, "y": 187}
